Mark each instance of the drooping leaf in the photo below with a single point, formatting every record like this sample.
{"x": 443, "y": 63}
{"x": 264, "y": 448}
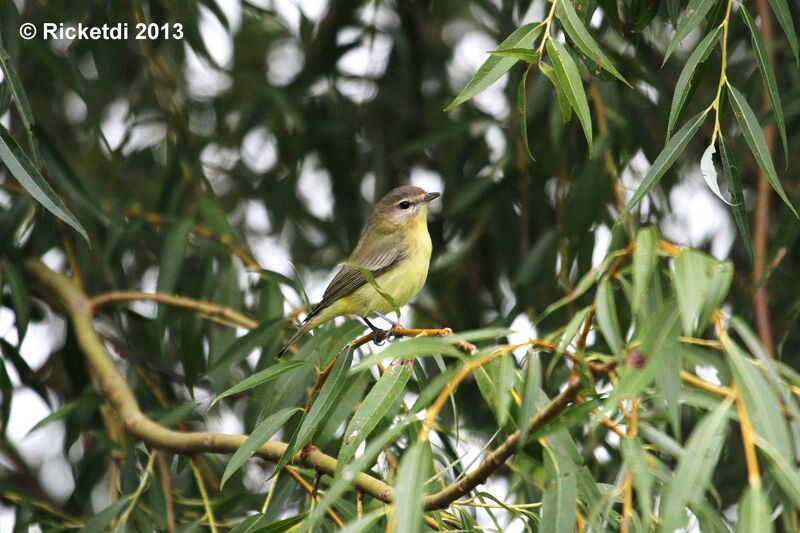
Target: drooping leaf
{"x": 762, "y": 406}
{"x": 561, "y": 97}
{"x": 645, "y": 259}
{"x": 172, "y": 255}
{"x": 635, "y": 460}
{"x": 261, "y": 434}
{"x": 754, "y": 512}
{"x": 495, "y": 66}
{"x": 410, "y": 348}
{"x": 734, "y": 181}
{"x": 373, "y": 408}
{"x": 522, "y": 54}
{"x": 28, "y": 176}
{"x": 259, "y": 378}
{"x": 284, "y": 525}
{"x": 692, "y": 16}
{"x": 784, "y": 16}
{"x": 324, "y": 402}
{"x": 770, "y": 83}
{"x": 533, "y": 380}
{"x": 666, "y": 158}
{"x": 607, "y": 317}
{"x": 522, "y": 113}
{"x": 577, "y": 31}
{"x": 570, "y": 81}
{"x": 694, "y": 469}
{"x": 20, "y": 298}
{"x": 409, "y": 487}
{"x": 751, "y": 130}
{"x": 560, "y": 498}
{"x": 241, "y": 347}
{"x": 21, "y": 101}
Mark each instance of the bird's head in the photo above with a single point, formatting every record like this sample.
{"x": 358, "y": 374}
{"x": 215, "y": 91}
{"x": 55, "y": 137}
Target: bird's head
{"x": 402, "y": 206}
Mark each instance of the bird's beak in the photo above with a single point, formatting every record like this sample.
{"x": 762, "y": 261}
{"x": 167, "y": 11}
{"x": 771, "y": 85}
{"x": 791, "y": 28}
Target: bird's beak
{"x": 430, "y": 196}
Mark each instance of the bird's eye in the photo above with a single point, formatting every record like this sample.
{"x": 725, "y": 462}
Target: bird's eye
{"x": 405, "y": 204}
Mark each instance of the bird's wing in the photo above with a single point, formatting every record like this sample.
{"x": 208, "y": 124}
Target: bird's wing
{"x": 377, "y": 254}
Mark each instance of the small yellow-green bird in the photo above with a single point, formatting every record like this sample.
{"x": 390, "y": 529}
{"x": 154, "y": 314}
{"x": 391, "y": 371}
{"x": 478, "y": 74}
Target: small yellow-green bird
{"x": 394, "y": 247}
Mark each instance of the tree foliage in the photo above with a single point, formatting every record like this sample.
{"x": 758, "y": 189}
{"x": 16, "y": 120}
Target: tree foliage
{"x": 583, "y": 357}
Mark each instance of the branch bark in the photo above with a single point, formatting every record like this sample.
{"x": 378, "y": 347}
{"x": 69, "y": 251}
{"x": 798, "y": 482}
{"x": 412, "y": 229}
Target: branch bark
{"x": 761, "y": 226}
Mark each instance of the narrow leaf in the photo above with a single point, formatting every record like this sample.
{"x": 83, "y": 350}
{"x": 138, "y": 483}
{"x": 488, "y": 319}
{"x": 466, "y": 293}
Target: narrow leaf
{"x": 172, "y": 255}
{"x": 522, "y": 112}
{"x": 666, "y": 158}
{"x": 758, "y": 144}
{"x": 261, "y": 434}
{"x": 26, "y": 174}
{"x": 784, "y": 16}
{"x": 570, "y": 81}
{"x": 645, "y": 259}
{"x": 533, "y": 380}
{"x": 563, "y": 102}
{"x": 575, "y": 28}
{"x": 523, "y": 54}
{"x": 754, "y": 512}
{"x": 414, "y": 468}
{"x": 21, "y": 101}
{"x": 607, "y": 318}
{"x": 259, "y": 378}
{"x": 692, "y": 16}
{"x": 20, "y": 298}
{"x": 495, "y": 66}
{"x": 734, "y": 181}
{"x": 698, "y": 56}
{"x": 560, "y": 498}
{"x": 375, "y": 406}
{"x": 770, "y": 83}
{"x": 635, "y": 458}
{"x": 694, "y": 469}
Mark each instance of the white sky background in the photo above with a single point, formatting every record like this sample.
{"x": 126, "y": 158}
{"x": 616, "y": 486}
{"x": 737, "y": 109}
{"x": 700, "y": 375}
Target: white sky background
{"x": 697, "y": 215}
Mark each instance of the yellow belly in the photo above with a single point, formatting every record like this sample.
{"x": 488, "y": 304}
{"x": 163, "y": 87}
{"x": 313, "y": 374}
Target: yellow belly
{"x": 402, "y": 283}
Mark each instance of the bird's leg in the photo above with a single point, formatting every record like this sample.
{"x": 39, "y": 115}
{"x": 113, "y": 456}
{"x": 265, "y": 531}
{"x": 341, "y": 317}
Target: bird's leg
{"x": 389, "y": 333}
{"x": 378, "y": 335}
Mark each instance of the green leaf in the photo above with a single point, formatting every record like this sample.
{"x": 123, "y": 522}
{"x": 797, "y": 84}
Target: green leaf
{"x": 607, "y": 318}
{"x": 409, "y": 487}
{"x": 784, "y": 16}
{"x": 261, "y": 434}
{"x": 575, "y": 28}
{"x": 523, "y": 54}
{"x": 762, "y": 406}
{"x": 635, "y": 461}
{"x": 259, "y": 378}
{"x": 342, "y": 483}
{"x": 533, "y": 381}
{"x": 694, "y": 469}
{"x": 375, "y": 406}
{"x": 326, "y": 400}
{"x": 754, "y": 512}
{"x": 21, "y": 101}
{"x": 782, "y": 471}
{"x": 241, "y": 347}
{"x": 698, "y": 56}
{"x": 734, "y": 180}
{"x": 522, "y": 113}
{"x": 770, "y": 83}
{"x": 659, "y": 340}
{"x": 20, "y": 298}
{"x": 571, "y": 330}
{"x": 410, "y": 348}
{"x": 172, "y": 255}
{"x": 645, "y": 259}
{"x": 365, "y": 523}
{"x": 570, "y": 81}
{"x": 666, "y": 158}
{"x": 281, "y": 526}
{"x": 692, "y": 16}
{"x": 561, "y": 97}
{"x": 495, "y": 66}
{"x": 560, "y": 497}
{"x": 28, "y": 176}
{"x": 758, "y": 144}
{"x": 691, "y": 283}
{"x": 100, "y": 521}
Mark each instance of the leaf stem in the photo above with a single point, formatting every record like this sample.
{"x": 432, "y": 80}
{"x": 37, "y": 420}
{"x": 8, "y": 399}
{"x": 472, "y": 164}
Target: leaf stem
{"x": 212, "y": 525}
{"x": 547, "y": 22}
{"x": 723, "y": 75}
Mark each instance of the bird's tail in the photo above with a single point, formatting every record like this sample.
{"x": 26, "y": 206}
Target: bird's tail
{"x": 307, "y": 325}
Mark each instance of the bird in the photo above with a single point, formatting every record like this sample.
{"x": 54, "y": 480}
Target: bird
{"x": 395, "y": 248}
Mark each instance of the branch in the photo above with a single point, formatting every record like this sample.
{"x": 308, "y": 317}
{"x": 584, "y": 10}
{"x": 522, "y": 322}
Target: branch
{"x": 112, "y": 384}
